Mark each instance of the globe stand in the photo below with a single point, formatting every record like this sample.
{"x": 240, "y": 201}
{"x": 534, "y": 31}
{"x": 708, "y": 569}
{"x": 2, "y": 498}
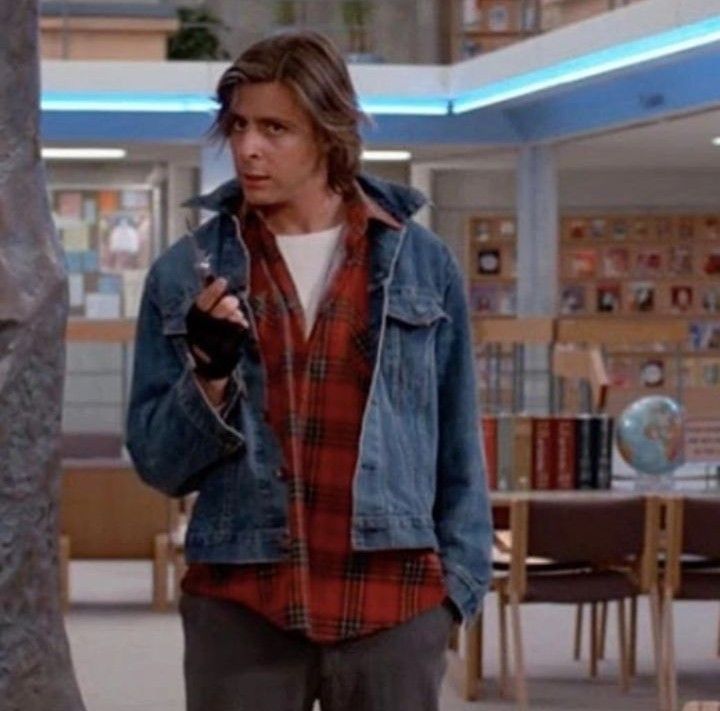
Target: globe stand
{"x": 654, "y": 483}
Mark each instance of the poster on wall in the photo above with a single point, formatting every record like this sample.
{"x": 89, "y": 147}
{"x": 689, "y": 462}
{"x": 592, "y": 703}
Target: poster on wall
{"x": 109, "y": 239}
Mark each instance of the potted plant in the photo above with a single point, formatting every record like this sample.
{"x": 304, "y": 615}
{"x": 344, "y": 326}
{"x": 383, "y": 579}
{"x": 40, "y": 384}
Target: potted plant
{"x": 196, "y": 38}
{"x": 357, "y": 15}
{"x": 285, "y": 13}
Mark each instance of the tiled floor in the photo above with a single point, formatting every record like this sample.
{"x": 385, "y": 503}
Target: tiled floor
{"x": 129, "y": 659}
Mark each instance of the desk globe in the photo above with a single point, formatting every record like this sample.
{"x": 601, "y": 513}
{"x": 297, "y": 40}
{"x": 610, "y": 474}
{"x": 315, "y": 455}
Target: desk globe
{"x": 650, "y": 435}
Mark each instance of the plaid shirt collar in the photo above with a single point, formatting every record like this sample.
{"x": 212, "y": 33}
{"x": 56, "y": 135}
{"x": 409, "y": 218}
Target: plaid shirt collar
{"x": 372, "y": 211}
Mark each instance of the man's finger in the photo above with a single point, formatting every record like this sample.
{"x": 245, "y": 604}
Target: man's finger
{"x": 225, "y": 307}
{"x": 210, "y": 295}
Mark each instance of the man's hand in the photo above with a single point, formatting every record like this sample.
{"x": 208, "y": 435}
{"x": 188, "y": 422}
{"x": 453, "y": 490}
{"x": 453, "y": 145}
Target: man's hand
{"x": 216, "y": 329}
{"x": 215, "y": 300}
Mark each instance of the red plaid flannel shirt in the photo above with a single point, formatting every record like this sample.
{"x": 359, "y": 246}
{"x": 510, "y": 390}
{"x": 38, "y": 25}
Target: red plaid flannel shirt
{"x": 317, "y": 389}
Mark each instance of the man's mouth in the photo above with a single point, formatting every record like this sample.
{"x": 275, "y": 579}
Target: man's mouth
{"x": 255, "y": 179}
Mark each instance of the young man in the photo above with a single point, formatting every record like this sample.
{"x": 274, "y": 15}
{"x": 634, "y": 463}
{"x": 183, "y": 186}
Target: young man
{"x": 318, "y": 393}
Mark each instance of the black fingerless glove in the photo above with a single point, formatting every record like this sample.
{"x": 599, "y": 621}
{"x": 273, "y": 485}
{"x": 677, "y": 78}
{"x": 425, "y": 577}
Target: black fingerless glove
{"x": 221, "y": 340}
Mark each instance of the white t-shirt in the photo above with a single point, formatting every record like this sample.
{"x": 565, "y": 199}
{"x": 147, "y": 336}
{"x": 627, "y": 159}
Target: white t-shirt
{"x": 312, "y": 259}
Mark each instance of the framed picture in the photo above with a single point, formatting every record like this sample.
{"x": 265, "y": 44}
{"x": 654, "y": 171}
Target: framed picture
{"x": 648, "y": 262}
{"x": 616, "y": 262}
{"x": 575, "y": 228}
{"x": 488, "y": 262}
{"x": 484, "y": 298}
{"x": 609, "y": 298}
{"x": 642, "y": 297}
{"x": 652, "y": 373}
{"x": 581, "y": 263}
{"x": 681, "y": 298}
{"x": 680, "y": 260}
{"x": 710, "y": 299}
{"x": 572, "y": 299}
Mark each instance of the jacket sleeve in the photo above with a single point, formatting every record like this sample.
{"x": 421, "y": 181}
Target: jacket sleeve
{"x": 463, "y": 520}
{"x": 173, "y": 433}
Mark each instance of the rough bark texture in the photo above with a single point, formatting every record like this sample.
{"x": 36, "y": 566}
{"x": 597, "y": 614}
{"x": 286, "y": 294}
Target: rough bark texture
{"x": 35, "y": 669}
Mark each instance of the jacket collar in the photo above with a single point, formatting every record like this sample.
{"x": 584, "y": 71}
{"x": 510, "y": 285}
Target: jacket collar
{"x": 388, "y": 202}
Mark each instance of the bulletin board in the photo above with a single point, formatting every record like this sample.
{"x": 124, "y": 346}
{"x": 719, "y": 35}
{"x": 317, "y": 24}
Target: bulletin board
{"x": 110, "y": 239}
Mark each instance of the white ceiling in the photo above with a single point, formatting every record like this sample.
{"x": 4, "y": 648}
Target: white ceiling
{"x": 682, "y": 143}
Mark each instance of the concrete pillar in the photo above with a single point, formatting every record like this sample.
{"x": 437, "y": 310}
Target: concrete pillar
{"x": 537, "y": 217}
{"x": 421, "y": 177}
{"x": 35, "y": 669}
{"x": 181, "y": 185}
{"x": 216, "y": 167}
{"x": 537, "y": 260}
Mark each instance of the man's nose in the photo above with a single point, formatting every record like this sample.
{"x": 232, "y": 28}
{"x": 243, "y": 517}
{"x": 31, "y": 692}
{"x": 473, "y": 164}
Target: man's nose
{"x": 249, "y": 144}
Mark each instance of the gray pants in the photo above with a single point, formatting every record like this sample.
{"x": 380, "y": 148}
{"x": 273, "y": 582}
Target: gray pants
{"x": 235, "y": 660}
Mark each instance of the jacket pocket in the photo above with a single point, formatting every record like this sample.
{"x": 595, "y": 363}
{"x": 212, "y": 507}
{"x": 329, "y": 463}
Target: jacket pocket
{"x": 411, "y": 327}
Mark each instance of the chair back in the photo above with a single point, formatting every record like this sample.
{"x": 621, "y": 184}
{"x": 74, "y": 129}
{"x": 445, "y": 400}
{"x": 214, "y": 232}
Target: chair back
{"x": 691, "y": 527}
{"x": 597, "y": 531}
{"x": 701, "y": 526}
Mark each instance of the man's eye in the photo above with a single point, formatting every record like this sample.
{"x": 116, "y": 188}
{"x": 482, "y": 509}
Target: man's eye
{"x": 274, "y": 129}
{"x": 238, "y": 125}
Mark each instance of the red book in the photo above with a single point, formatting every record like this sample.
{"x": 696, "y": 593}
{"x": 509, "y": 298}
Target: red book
{"x": 488, "y": 426}
{"x": 565, "y": 446}
{"x": 543, "y": 450}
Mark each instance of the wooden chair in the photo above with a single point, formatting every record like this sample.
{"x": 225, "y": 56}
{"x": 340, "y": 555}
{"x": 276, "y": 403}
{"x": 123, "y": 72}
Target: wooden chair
{"x": 607, "y": 546}
{"x": 692, "y": 570}
{"x": 466, "y": 643}
{"x": 107, "y": 512}
{"x": 178, "y": 527}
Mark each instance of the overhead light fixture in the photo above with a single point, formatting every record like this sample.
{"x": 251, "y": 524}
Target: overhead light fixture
{"x": 716, "y": 141}
{"x": 133, "y": 102}
{"x": 388, "y": 156}
{"x": 590, "y": 65}
{"x": 83, "y": 153}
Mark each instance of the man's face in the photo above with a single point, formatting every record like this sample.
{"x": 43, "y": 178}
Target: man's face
{"x": 277, "y": 156}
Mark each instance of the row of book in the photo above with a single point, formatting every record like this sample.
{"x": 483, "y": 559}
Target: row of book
{"x": 524, "y": 452}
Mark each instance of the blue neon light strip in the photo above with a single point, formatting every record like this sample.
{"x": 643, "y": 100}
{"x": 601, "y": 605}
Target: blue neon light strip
{"x": 183, "y": 103}
{"x": 590, "y": 65}
{"x": 405, "y": 106}
{"x": 573, "y": 70}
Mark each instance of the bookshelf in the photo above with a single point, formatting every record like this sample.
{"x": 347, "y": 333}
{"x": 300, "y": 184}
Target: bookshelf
{"x": 660, "y": 273}
{"x": 487, "y": 25}
{"x": 654, "y": 277}
{"x": 492, "y": 264}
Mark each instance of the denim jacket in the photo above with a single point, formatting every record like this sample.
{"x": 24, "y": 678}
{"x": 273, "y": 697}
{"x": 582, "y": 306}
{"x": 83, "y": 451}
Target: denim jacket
{"x": 420, "y": 476}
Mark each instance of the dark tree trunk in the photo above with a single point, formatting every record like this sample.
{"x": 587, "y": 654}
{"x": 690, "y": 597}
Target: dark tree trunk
{"x": 35, "y": 668}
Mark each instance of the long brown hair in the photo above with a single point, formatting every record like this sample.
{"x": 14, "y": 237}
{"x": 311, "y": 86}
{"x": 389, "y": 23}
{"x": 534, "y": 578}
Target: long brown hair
{"x": 312, "y": 67}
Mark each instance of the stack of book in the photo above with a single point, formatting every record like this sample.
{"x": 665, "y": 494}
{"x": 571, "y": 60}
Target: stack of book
{"x": 547, "y": 452}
